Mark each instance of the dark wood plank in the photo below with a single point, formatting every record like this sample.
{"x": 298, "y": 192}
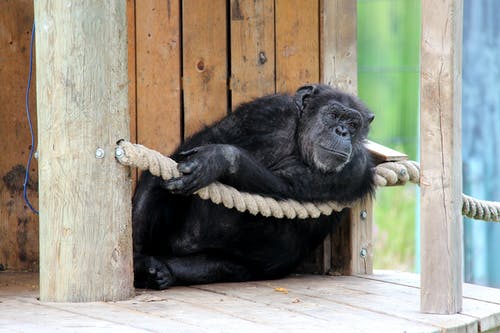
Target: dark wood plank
{"x": 18, "y": 225}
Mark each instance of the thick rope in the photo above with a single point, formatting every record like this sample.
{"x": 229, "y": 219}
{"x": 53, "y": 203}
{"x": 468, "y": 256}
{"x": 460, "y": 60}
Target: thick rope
{"x": 386, "y": 174}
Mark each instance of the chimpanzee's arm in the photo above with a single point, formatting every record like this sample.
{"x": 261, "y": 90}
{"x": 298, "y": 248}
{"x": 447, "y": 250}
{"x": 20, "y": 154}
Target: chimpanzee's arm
{"x": 229, "y": 164}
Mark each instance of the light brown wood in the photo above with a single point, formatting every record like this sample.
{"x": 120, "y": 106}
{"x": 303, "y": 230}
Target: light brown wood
{"x": 205, "y": 67}
{"x": 297, "y": 44}
{"x": 18, "y": 225}
{"x": 382, "y": 153}
{"x": 384, "y": 302}
{"x": 486, "y": 311}
{"x": 132, "y": 79}
{"x": 82, "y": 100}
{"x": 252, "y": 50}
{"x": 351, "y": 246}
{"x": 361, "y": 218}
{"x": 132, "y": 75}
{"x": 440, "y": 157}
{"x": 339, "y": 66}
{"x": 158, "y": 48}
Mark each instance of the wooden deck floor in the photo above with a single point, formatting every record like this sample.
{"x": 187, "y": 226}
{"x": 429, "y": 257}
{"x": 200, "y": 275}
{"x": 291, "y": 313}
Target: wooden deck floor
{"x": 384, "y": 302}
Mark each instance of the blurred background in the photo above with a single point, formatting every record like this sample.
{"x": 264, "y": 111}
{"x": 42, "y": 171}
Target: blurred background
{"x": 388, "y": 81}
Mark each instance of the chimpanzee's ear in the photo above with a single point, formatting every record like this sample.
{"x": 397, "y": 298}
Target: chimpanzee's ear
{"x": 370, "y": 117}
{"x": 303, "y": 94}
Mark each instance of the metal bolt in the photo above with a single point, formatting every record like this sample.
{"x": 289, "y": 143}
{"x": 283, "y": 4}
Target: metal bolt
{"x": 363, "y": 215}
{"x": 119, "y": 152}
{"x": 363, "y": 253}
{"x": 36, "y": 155}
{"x": 99, "y": 153}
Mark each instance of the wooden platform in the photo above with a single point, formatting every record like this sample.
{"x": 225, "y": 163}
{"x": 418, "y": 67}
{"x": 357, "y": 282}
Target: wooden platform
{"x": 384, "y": 302}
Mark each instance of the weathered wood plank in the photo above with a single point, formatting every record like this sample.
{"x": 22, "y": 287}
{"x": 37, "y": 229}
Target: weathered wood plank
{"x": 479, "y": 302}
{"x": 119, "y": 318}
{"x": 132, "y": 74}
{"x": 361, "y": 218}
{"x": 18, "y": 225}
{"x": 385, "y": 302}
{"x": 440, "y": 157}
{"x": 191, "y": 307}
{"x": 472, "y": 291}
{"x": 339, "y": 66}
{"x": 384, "y": 154}
{"x": 158, "y": 48}
{"x": 319, "y": 308}
{"x": 252, "y": 50}
{"x": 297, "y": 44}
{"x": 19, "y": 316}
{"x": 386, "y": 298}
{"x": 132, "y": 79}
{"x": 82, "y": 100}
{"x": 205, "y": 67}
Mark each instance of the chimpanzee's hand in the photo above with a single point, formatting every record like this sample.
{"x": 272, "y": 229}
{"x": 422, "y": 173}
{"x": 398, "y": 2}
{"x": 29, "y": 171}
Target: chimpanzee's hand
{"x": 203, "y": 165}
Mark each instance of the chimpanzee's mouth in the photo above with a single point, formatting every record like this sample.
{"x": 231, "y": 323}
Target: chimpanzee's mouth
{"x": 338, "y": 154}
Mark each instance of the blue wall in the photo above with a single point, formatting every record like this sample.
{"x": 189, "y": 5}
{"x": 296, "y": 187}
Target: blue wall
{"x": 481, "y": 135}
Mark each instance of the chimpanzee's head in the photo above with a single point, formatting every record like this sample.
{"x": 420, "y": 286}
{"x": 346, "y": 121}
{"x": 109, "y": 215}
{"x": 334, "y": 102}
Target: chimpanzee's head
{"x": 332, "y": 126}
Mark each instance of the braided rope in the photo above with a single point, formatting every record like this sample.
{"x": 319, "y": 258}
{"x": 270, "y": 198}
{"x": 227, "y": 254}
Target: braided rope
{"x": 386, "y": 174}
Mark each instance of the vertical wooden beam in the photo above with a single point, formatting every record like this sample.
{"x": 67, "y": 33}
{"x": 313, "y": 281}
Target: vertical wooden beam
{"x": 252, "y": 49}
{"x": 361, "y": 220}
{"x": 132, "y": 74}
{"x": 440, "y": 157}
{"x": 297, "y": 44}
{"x": 158, "y": 52}
{"x": 82, "y": 100}
{"x": 339, "y": 69}
{"x": 205, "y": 63}
{"x": 132, "y": 78}
{"x": 339, "y": 66}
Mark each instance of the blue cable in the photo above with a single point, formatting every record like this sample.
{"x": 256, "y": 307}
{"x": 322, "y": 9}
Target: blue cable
{"x": 32, "y": 148}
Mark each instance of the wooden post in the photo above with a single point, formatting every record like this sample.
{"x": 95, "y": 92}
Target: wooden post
{"x": 339, "y": 69}
{"x": 82, "y": 103}
{"x": 441, "y": 162}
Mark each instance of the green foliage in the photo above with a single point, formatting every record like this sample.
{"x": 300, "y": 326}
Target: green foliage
{"x": 388, "y": 81}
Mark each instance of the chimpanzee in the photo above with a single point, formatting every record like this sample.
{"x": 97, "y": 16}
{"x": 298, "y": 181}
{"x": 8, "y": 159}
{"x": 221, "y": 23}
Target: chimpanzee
{"x": 307, "y": 147}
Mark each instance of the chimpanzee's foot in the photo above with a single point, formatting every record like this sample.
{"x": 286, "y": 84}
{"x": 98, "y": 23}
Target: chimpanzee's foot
{"x": 151, "y": 273}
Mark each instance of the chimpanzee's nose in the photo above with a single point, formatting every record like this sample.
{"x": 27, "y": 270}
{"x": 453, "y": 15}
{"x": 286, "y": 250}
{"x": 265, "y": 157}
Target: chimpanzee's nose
{"x": 341, "y": 131}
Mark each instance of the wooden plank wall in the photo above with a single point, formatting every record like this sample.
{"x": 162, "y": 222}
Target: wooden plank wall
{"x": 196, "y": 60}
{"x": 18, "y": 225}
{"x": 190, "y": 63}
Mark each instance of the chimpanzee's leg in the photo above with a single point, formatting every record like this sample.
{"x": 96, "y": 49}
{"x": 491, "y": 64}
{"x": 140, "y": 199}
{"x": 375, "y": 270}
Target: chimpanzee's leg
{"x": 161, "y": 273}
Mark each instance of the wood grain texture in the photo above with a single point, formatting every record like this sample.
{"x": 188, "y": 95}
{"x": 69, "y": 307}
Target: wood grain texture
{"x": 382, "y": 153}
{"x": 252, "y": 49}
{"x": 440, "y": 157}
{"x": 339, "y": 66}
{"x": 132, "y": 79}
{"x": 18, "y": 225}
{"x": 132, "y": 74}
{"x": 205, "y": 64}
{"x": 158, "y": 74}
{"x": 361, "y": 219}
{"x": 82, "y": 99}
{"x": 297, "y": 44}
{"x": 384, "y": 302}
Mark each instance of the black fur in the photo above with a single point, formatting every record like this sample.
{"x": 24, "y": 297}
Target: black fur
{"x": 306, "y": 147}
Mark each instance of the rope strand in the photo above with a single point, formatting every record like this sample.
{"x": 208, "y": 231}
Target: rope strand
{"x": 386, "y": 174}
